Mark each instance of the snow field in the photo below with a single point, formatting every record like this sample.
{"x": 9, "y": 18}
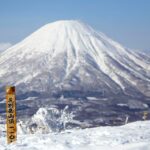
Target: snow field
{"x": 133, "y": 136}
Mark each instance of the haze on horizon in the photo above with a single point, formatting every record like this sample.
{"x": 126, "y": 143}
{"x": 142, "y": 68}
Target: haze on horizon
{"x": 127, "y": 22}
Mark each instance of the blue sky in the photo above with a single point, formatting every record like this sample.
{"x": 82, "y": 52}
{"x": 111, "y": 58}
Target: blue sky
{"x": 126, "y": 21}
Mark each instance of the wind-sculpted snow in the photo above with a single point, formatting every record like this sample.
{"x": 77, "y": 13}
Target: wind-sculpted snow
{"x": 133, "y": 136}
{"x": 46, "y": 120}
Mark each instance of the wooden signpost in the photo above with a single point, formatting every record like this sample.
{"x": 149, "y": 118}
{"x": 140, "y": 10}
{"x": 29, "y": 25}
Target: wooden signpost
{"x": 11, "y": 119}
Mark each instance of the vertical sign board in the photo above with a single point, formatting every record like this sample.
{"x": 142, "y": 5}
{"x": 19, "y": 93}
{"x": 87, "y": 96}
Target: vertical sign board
{"x": 11, "y": 114}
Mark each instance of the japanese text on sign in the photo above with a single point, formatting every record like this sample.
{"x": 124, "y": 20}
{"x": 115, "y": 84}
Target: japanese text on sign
{"x": 11, "y": 116}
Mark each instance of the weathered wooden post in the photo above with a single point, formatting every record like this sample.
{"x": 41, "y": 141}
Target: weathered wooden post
{"x": 11, "y": 120}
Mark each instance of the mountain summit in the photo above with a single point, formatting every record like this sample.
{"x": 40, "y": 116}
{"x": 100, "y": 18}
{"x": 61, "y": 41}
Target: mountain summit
{"x": 71, "y": 56}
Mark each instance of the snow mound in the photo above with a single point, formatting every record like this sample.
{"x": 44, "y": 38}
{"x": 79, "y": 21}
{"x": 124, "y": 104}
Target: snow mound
{"x": 133, "y": 136}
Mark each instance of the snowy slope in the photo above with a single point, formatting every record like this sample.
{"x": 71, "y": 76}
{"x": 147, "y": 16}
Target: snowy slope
{"x": 70, "y": 55}
{"x": 133, "y": 136}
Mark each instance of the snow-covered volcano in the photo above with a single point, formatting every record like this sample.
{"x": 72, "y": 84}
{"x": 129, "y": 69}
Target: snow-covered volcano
{"x": 70, "y": 55}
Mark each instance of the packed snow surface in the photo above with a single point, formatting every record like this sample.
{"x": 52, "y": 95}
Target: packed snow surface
{"x": 133, "y": 136}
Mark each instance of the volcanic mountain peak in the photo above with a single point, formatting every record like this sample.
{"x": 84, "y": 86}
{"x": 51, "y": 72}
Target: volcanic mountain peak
{"x": 70, "y": 55}
{"x": 61, "y": 35}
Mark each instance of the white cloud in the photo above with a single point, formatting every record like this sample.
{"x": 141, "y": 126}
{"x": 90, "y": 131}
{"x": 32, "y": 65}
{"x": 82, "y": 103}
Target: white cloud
{"x": 4, "y": 46}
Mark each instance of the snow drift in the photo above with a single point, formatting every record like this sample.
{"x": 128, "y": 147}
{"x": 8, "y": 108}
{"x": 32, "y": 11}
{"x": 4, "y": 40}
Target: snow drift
{"x": 135, "y": 136}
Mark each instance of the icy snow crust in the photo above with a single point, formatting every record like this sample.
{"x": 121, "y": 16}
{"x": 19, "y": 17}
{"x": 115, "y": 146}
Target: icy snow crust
{"x": 70, "y": 55}
{"x": 133, "y": 136}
